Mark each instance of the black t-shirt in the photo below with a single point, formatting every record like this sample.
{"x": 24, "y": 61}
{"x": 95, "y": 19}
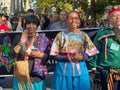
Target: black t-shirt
{"x": 14, "y": 23}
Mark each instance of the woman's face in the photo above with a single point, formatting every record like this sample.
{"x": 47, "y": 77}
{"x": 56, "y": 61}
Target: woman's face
{"x": 31, "y": 27}
{"x": 114, "y": 19}
{"x": 73, "y": 20}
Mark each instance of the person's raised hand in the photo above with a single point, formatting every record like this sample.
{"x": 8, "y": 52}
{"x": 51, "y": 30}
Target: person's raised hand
{"x": 24, "y": 36}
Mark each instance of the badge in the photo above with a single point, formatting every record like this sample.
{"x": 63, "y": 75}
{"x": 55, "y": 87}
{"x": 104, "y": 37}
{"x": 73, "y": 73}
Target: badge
{"x": 114, "y": 46}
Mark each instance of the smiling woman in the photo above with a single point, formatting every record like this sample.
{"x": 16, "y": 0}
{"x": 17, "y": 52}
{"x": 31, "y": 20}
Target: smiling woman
{"x": 33, "y": 47}
{"x": 70, "y": 48}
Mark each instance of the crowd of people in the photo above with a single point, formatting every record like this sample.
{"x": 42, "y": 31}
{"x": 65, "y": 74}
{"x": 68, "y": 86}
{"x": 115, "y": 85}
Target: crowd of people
{"x": 71, "y": 48}
{"x": 54, "y": 21}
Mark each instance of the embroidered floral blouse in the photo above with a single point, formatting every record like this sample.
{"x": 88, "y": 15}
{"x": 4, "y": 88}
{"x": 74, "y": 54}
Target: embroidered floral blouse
{"x": 42, "y": 43}
{"x": 67, "y": 43}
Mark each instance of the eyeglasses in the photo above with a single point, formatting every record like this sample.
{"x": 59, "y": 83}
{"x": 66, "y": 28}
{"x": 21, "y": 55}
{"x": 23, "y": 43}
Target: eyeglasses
{"x": 115, "y": 15}
{"x": 73, "y": 18}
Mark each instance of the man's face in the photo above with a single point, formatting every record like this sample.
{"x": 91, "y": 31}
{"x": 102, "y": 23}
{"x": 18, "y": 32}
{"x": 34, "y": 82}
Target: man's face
{"x": 63, "y": 16}
{"x": 114, "y": 19}
{"x": 3, "y": 20}
{"x": 55, "y": 17}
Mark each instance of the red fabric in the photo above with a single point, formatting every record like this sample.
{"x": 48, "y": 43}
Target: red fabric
{"x": 4, "y": 28}
{"x": 114, "y": 10}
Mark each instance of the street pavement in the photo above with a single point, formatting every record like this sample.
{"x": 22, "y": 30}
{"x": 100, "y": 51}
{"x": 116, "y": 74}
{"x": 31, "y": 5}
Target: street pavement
{"x": 95, "y": 83}
{"x": 9, "y": 80}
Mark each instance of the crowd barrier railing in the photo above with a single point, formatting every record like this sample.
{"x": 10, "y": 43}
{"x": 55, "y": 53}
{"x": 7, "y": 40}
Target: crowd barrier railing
{"x": 49, "y": 33}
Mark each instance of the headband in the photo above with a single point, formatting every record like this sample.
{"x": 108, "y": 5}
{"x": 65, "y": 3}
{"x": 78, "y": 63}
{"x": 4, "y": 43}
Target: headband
{"x": 113, "y": 10}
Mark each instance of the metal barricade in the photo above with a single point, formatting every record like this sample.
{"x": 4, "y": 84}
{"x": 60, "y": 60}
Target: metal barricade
{"x": 50, "y": 64}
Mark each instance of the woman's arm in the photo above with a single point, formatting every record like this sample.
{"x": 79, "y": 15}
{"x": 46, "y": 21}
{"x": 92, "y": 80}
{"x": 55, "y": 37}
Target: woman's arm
{"x": 60, "y": 58}
{"x": 23, "y": 39}
{"x": 12, "y": 52}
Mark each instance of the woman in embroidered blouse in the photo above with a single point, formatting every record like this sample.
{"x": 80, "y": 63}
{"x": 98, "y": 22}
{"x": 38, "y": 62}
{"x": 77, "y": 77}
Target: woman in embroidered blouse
{"x": 69, "y": 48}
{"x": 37, "y": 52}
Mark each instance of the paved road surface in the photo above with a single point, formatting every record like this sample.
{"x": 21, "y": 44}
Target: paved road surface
{"x": 8, "y": 82}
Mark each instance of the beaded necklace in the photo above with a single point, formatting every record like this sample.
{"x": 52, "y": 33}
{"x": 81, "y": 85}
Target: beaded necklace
{"x": 29, "y": 44}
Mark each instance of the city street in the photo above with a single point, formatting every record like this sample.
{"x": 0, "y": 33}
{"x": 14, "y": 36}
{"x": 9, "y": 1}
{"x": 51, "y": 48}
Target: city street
{"x": 79, "y": 39}
{"x": 8, "y": 82}
{"x": 95, "y": 85}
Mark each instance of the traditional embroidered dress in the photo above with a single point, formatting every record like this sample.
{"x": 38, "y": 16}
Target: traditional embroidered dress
{"x": 67, "y": 75}
{"x": 37, "y": 67}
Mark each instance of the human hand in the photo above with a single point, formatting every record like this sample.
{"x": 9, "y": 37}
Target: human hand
{"x": 24, "y": 36}
{"x": 37, "y": 54}
{"x": 72, "y": 59}
{"x": 77, "y": 56}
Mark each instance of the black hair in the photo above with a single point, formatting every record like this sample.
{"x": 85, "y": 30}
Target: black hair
{"x": 63, "y": 11}
{"x": 74, "y": 12}
{"x": 1, "y": 15}
{"x": 30, "y": 10}
{"x": 15, "y": 14}
{"x": 7, "y": 17}
{"x": 30, "y": 19}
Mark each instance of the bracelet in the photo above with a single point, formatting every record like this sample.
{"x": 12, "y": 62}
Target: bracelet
{"x": 20, "y": 44}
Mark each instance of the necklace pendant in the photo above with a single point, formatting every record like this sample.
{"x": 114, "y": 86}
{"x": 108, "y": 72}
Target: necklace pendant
{"x": 28, "y": 42}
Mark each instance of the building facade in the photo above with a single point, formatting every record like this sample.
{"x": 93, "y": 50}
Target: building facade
{"x": 14, "y": 6}
{"x": 5, "y": 6}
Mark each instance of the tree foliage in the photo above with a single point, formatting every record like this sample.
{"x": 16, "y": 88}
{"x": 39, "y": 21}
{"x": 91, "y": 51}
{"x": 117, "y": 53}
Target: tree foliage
{"x": 96, "y": 7}
{"x": 62, "y": 4}
{"x": 68, "y": 7}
